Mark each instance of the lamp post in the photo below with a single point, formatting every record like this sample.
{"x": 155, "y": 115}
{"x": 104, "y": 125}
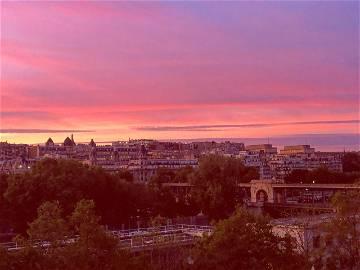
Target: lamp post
{"x": 137, "y": 219}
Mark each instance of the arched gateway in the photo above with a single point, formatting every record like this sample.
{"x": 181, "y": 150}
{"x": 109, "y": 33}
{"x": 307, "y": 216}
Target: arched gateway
{"x": 261, "y": 191}
{"x": 261, "y": 196}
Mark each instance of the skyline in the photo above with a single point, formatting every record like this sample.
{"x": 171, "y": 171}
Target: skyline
{"x": 322, "y": 142}
{"x": 182, "y": 70}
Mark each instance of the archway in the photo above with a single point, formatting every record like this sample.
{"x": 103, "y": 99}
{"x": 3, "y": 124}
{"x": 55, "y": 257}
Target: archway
{"x": 261, "y": 196}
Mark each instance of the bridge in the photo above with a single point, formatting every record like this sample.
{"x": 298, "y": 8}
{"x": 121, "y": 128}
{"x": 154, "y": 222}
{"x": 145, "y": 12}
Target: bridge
{"x": 275, "y": 192}
{"x": 141, "y": 239}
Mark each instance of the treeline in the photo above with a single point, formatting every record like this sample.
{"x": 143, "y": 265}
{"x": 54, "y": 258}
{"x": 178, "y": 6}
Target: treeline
{"x": 73, "y": 243}
{"x": 79, "y": 242}
{"x": 214, "y": 189}
{"x": 322, "y": 176}
{"x": 243, "y": 241}
{"x": 119, "y": 201}
{"x": 351, "y": 162}
{"x": 67, "y": 182}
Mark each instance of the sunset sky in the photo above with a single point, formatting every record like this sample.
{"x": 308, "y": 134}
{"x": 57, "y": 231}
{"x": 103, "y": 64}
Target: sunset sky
{"x": 114, "y": 70}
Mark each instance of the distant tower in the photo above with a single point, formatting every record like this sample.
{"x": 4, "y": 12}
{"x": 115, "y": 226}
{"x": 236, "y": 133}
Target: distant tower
{"x": 72, "y": 139}
{"x": 92, "y": 143}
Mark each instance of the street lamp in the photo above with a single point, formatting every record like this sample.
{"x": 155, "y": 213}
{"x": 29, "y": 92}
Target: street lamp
{"x": 137, "y": 219}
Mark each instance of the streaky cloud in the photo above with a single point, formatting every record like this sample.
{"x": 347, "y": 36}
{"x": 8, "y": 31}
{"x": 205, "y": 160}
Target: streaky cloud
{"x": 255, "y": 125}
{"x": 15, "y": 130}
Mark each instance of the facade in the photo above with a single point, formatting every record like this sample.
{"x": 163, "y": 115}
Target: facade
{"x": 9, "y": 151}
{"x": 257, "y": 160}
{"x": 282, "y": 165}
{"x": 142, "y": 156}
{"x": 143, "y": 169}
{"x": 264, "y": 148}
{"x": 297, "y": 149}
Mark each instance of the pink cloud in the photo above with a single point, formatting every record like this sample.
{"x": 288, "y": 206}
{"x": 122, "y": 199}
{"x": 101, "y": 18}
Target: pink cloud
{"x": 90, "y": 64}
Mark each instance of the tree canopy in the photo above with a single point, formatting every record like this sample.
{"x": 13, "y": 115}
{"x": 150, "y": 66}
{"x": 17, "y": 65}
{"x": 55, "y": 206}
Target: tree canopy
{"x": 245, "y": 241}
{"x": 322, "y": 175}
{"x": 118, "y": 199}
{"x": 341, "y": 247}
{"x": 351, "y": 162}
{"x": 67, "y": 182}
{"x": 215, "y": 184}
{"x": 75, "y": 243}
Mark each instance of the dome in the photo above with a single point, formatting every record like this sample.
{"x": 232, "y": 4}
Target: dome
{"x": 49, "y": 142}
{"x": 68, "y": 142}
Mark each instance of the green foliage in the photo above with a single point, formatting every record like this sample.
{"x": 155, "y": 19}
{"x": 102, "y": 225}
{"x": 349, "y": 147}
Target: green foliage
{"x": 321, "y": 175}
{"x": 162, "y": 175}
{"x": 341, "y": 247}
{"x": 216, "y": 183}
{"x": 158, "y": 221}
{"x": 67, "y": 182}
{"x": 116, "y": 197}
{"x": 49, "y": 225}
{"x": 351, "y": 162}
{"x": 5, "y": 210}
{"x": 126, "y": 175}
{"x": 245, "y": 241}
{"x": 183, "y": 175}
{"x": 166, "y": 202}
{"x": 80, "y": 243}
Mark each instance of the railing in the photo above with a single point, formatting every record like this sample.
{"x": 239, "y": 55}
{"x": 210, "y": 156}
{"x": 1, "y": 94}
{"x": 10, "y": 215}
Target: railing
{"x": 160, "y": 229}
{"x": 140, "y": 238}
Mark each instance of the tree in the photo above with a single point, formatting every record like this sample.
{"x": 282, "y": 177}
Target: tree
{"x": 76, "y": 243}
{"x": 162, "y": 175}
{"x": 166, "y": 202}
{"x": 67, "y": 182}
{"x": 321, "y": 175}
{"x": 49, "y": 225}
{"x": 341, "y": 247}
{"x": 183, "y": 175}
{"x": 298, "y": 176}
{"x": 94, "y": 249}
{"x": 126, "y": 175}
{"x": 245, "y": 241}
{"x": 4, "y": 204}
{"x": 351, "y": 162}
{"x": 215, "y": 184}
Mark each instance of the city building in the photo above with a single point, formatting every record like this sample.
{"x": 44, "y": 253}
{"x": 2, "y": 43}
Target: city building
{"x": 264, "y": 148}
{"x": 282, "y": 165}
{"x": 297, "y": 149}
{"x": 258, "y": 160}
